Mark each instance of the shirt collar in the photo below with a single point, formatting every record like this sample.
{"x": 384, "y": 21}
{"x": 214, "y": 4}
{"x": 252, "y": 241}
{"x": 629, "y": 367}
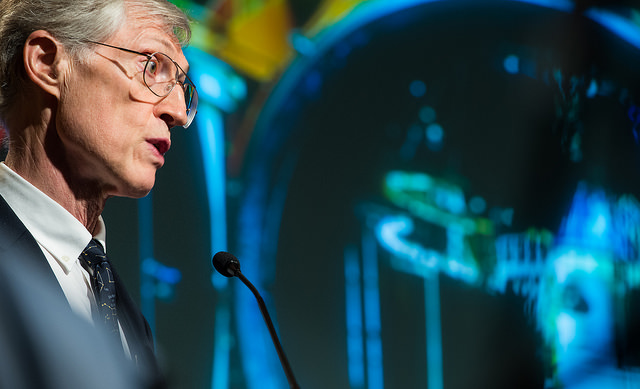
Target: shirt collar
{"x": 52, "y": 226}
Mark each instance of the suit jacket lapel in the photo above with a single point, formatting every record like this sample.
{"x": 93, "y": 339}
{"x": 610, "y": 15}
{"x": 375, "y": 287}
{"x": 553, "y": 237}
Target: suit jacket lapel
{"x": 138, "y": 334}
{"x": 133, "y": 322}
{"x": 17, "y": 244}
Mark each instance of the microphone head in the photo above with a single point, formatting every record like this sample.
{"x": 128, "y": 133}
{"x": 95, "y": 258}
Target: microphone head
{"x": 226, "y": 263}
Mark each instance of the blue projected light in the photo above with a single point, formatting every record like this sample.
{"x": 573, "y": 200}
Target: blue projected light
{"x": 621, "y": 26}
{"x": 342, "y": 50}
{"x": 355, "y": 338}
{"x": 561, "y": 5}
{"x": 570, "y": 280}
{"x": 313, "y": 83}
{"x": 592, "y": 91}
{"x": 512, "y": 64}
{"x": 566, "y": 326}
{"x": 372, "y": 322}
{"x": 161, "y": 272}
{"x": 217, "y": 82}
{"x": 435, "y": 133}
{"x": 477, "y": 205}
{"x": 427, "y": 115}
{"x": 440, "y": 204}
{"x": 522, "y": 258}
{"x": 220, "y": 90}
{"x": 417, "y": 88}
{"x": 302, "y": 44}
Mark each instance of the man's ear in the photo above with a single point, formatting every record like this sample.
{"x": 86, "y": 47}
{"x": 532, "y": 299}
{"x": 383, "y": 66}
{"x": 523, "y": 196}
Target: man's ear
{"x": 44, "y": 59}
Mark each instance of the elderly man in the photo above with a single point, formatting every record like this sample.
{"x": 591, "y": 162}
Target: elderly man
{"x": 89, "y": 91}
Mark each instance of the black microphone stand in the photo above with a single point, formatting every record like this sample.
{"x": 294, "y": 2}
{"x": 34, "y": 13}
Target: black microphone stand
{"x": 276, "y": 342}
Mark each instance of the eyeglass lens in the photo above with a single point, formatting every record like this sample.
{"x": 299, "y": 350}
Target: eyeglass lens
{"x": 161, "y": 75}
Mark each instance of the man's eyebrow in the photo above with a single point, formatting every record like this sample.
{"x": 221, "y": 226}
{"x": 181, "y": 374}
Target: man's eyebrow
{"x": 165, "y": 44}
{"x": 170, "y": 47}
{"x": 167, "y": 41}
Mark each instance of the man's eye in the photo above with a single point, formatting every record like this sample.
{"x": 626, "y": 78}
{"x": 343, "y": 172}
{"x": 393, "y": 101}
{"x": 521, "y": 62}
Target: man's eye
{"x": 152, "y": 67}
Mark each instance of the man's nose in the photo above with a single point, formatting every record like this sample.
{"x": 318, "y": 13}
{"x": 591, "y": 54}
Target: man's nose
{"x": 173, "y": 109}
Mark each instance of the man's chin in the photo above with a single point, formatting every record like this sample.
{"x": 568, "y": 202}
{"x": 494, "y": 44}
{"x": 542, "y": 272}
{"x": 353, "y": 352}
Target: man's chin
{"x": 140, "y": 195}
{"x": 141, "y": 189}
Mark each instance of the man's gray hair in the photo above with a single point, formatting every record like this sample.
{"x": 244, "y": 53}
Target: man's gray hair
{"x": 73, "y": 23}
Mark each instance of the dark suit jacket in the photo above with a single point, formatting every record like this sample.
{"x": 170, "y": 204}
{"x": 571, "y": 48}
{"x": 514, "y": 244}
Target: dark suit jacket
{"x": 17, "y": 244}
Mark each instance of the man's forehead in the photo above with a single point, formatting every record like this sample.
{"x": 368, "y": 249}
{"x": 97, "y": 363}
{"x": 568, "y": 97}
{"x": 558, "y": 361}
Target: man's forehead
{"x": 144, "y": 30}
{"x": 164, "y": 43}
{"x": 151, "y": 36}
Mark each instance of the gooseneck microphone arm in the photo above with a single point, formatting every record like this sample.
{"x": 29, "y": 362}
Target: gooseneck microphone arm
{"x": 229, "y": 266}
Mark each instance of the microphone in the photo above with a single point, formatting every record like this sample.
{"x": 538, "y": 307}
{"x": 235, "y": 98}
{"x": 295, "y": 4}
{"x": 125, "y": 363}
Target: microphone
{"x": 226, "y": 264}
{"x": 229, "y": 266}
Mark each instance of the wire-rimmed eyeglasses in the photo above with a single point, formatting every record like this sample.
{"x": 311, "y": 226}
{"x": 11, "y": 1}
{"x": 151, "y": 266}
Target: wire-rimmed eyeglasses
{"x": 159, "y": 76}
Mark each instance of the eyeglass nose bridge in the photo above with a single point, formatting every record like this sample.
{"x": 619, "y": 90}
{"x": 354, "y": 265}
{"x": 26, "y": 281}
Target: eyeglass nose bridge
{"x": 168, "y": 87}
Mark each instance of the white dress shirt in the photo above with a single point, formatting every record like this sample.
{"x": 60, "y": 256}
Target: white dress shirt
{"x": 61, "y": 237}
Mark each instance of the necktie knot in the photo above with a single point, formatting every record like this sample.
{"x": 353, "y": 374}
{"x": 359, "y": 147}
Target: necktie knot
{"x": 93, "y": 254}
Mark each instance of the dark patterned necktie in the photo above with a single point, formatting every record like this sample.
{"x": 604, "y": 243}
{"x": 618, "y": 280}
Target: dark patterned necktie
{"x": 102, "y": 283}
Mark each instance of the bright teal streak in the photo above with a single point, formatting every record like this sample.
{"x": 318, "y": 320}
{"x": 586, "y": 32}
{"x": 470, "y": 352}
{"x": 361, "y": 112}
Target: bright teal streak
{"x": 621, "y": 26}
{"x": 433, "y": 329}
{"x": 355, "y": 341}
{"x": 219, "y": 90}
{"x": 210, "y": 128}
{"x": 372, "y": 323}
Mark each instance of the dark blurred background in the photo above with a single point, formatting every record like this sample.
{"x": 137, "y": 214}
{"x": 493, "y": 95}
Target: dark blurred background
{"x": 429, "y": 194}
